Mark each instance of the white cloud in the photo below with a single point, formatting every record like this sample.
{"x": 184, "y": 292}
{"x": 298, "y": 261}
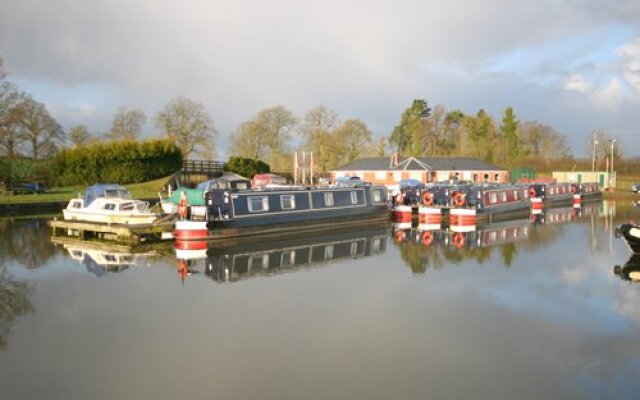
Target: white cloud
{"x": 578, "y": 83}
{"x": 630, "y": 54}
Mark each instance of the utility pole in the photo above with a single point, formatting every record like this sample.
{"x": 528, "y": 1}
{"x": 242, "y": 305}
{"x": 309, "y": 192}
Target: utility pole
{"x": 611, "y": 180}
{"x": 593, "y": 157}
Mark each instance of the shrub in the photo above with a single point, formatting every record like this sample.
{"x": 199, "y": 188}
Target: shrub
{"x": 116, "y": 162}
{"x": 246, "y": 167}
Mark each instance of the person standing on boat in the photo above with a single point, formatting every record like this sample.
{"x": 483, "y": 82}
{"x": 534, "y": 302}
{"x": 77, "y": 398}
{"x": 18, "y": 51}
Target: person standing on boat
{"x": 183, "y": 206}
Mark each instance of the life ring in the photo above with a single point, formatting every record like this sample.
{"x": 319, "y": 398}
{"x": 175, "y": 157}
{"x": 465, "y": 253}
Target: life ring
{"x": 399, "y": 236}
{"x": 427, "y": 199}
{"x": 574, "y": 189}
{"x": 532, "y": 191}
{"x": 458, "y": 240}
{"x": 427, "y": 238}
{"x": 458, "y": 199}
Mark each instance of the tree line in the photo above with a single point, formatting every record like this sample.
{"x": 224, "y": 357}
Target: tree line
{"x": 27, "y": 129}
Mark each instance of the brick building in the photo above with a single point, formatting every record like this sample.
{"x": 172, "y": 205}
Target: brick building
{"x": 389, "y": 171}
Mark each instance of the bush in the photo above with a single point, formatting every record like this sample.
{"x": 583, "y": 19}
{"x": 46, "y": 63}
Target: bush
{"x": 246, "y": 167}
{"x": 116, "y": 162}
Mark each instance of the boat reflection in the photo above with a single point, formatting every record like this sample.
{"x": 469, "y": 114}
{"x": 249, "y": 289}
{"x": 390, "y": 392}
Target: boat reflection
{"x": 100, "y": 259}
{"x": 235, "y": 261}
{"x": 561, "y": 215}
{"x": 630, "y": 271}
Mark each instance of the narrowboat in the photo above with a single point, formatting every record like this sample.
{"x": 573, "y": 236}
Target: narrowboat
{"x": 630, "y": 232}
{"x": 406, "y": 199}
{"x": 109, "y": 204}
{"x": 474, "y": 203}
{"x": 584, "y": 192}
{"x": 630, "y": 271}
{"x": 230, "y": 213}
{"x": 437, "y": 199}
{"x": 551, "y": 193}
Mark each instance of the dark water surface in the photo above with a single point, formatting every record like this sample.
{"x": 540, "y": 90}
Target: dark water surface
{"x": 513, "y": 310}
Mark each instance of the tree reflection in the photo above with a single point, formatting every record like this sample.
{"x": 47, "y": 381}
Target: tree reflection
{"x": 14, "y": 302}
{"x": 26, "y": 242}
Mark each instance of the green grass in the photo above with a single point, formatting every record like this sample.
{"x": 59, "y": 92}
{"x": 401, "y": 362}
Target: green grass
{"x": 138, "y": 190}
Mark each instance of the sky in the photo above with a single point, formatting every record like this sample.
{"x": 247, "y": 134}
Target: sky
{"x": 572, "y": 64}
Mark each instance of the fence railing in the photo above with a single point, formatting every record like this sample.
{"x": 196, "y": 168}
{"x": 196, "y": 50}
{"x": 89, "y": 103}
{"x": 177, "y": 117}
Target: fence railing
{"x": 204, "y": 167}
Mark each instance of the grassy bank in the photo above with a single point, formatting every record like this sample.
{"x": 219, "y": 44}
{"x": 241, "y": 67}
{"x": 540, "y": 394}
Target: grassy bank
{"x": 138, "y": 190}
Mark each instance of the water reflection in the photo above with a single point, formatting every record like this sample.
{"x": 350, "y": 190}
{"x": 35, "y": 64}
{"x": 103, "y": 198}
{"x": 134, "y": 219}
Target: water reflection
{"x": 232, "y": 262}
{"x": 630, "y": 271}
{"x": 101, "y": 258}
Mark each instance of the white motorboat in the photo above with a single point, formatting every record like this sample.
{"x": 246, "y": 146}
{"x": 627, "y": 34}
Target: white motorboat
{"x": 109, "y": 203}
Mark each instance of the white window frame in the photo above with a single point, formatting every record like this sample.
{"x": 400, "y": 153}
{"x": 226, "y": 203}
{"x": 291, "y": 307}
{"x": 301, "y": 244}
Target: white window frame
{"x": 493, "y": 197}
{"x": 377, "y": 196}
{"x": 264, "y": 200}
{"x": 328, "y": 199}
{"x": 354, "y": 197}
{"x": 292, "y": 199}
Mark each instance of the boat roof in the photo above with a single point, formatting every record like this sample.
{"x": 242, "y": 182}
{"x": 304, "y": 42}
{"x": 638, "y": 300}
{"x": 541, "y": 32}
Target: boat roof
{"x": 95, "y": 191}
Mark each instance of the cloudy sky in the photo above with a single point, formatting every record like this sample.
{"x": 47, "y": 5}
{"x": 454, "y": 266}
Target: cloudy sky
{"x": 572, "y": 64}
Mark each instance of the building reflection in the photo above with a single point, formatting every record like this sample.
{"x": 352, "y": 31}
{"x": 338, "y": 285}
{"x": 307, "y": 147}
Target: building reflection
{"x": 236, "y": 261}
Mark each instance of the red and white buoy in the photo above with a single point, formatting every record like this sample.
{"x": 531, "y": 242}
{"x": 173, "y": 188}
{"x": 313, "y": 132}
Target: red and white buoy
{"x": 463, "y": 216}
{"x": 577, "y": 200}
{"x": 190, "y": 230}
{"x": 429, "y": 215}
{"x": 536, "y": 203}
{"x": 402, "y": 213}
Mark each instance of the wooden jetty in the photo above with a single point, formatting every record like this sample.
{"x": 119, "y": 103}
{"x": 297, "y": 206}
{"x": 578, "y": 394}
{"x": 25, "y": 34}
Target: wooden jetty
{"x": 122, "y": 233}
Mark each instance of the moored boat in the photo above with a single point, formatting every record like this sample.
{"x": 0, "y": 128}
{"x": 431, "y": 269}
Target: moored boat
{"x": 630, "y": 232}
{"x": 551, "y": 193}
{"x": 109, "y": 203}
{"x": 630, "y": 271}
{"x": 480, "y": 202}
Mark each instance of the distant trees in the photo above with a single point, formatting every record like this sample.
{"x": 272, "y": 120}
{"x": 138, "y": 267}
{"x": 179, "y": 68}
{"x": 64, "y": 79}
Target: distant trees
{"x": 127, "y": 124}
{"x": 410, "y": 135}
{"x": 246, "y": 166}
{"x": 79, "y": 135}
{"x": 265, "y": 136}
{"x": 317, "y": 127}
{"x": 353, "y": 140}
{"x": 188, "y": 125}
{"x": 40, "y": 130}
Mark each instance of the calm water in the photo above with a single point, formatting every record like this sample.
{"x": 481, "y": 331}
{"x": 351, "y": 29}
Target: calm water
{"x": 512, "y": 310}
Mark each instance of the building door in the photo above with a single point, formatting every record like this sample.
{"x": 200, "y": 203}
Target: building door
{"x": 579, "y": 178}
{"x": 601, "y": 180}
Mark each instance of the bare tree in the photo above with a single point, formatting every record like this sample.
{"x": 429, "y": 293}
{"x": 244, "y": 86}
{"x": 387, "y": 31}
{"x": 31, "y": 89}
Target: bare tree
{"x": 316, "y": 127}
{"x": 12, "y": 104}
{"x": 127, "y": 124}
{"x": 79, "y": 135}
{"x": 265, "y": 136}
{"x": 186, "y": 122}
{"x": 40, "y": 130}
{"x": 352, "y": 139}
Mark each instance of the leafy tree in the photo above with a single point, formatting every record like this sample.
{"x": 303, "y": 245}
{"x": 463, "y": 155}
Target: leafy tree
{"x": 79, "y": 135}
{"x": 188, "y": 125}
{"x": 317, "y": 128}
{"x": 40, "y": 130}
{"x": 379, "y": 148}
{"x": 127, "y": 124}
{"x": 265, "y": 136}
{"x": 509, "y": 129}
{"x": 353, "y": 138}
{"x": 409, "y": 136}
{"x": 543, "y": 141}
{"x": 482, "y": 135}
{"x": 246, "y": 167}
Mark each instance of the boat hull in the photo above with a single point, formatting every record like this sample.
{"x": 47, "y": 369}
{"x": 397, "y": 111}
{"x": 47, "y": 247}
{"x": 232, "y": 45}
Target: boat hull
{"x": 107, "y": 218}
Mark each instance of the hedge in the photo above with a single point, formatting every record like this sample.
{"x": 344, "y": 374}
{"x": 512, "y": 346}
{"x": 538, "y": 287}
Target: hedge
{"x": 246, "y": 167}
{"x": 116, "y": 162}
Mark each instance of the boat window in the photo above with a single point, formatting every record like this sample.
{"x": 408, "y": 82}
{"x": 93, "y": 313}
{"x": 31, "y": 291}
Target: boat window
{"x": 110, "y": 257}
{"x": 503, "y": 196}
{"x": 116, "y": 194}
{"x": 354, "y": 197}
{"x": 354, "y": 249}
{"x": 258, "y": 203}
{"x": 493, "y": 197}
{"x": 288, "y": 258}
{"x": 525, "y": 194}
{"x": 109, "y": 206}
{"x": 328, "y": 198}
{"x": 288, "y": 201}
{"x": 377, "y": 196}
{"x": 376, "y": 245}
{"x": 242, "y": 186}
{"x": 77, "y": 204}
{"x": 259, "y": 261}
{"x": 328, "y": 252}
{"x": 126, "y": 206}
{"x": 515, "y": 195}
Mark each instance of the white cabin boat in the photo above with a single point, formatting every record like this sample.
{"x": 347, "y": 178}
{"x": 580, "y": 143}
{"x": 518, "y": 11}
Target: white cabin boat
{"x": 108, "y": 203}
